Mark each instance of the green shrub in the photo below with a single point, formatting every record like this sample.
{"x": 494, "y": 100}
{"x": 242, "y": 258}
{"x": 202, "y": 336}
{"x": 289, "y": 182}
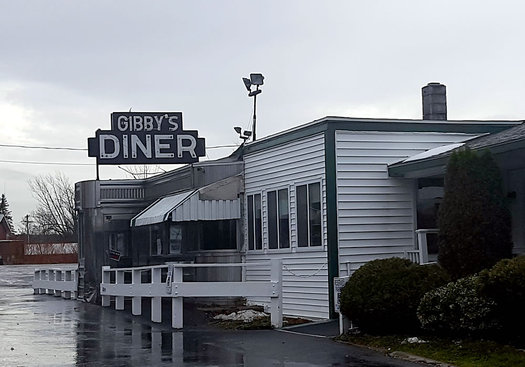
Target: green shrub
{"x": 382, "y": 296}
{"x": 474, "y": 223}
{"x": 457, "y": 308}
{"x": 504, "y": 283}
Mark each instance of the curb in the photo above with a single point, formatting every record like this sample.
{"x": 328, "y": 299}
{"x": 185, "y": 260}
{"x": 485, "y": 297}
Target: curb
{"x": 401, "y": 355}
{"x": 414, "y": 358}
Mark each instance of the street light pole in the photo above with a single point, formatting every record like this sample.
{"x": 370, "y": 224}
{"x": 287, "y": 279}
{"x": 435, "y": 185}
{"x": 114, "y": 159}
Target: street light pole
{"x": 257, "y": 80}
{"x": 255, "y": 114}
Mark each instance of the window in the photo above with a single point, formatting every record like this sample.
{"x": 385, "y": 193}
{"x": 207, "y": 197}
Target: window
{"x": 254, "y": 222}
{"x": 219, "y": 235}
{"x": 155, "y": 234}
{"x": 117, "y": 243}
{"x": 175, "y": 239}
{"x": 203, "y": 235}
{"x": 278, "y": 219}
{"x": 309, "y": 215}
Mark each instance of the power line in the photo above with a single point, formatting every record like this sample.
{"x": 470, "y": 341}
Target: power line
{"x": 71, "y": 149}
{"x": 48, "y": 163}
{"x": 39, "y": 147}
{"x": 85, "y": 149}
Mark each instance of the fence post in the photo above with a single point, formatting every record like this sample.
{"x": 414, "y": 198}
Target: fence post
{"x": 58, "y": 278}
{"x": 177, "y": 310}
{"x": 51, "y": 277}
{"x": 67, "y": 278}
{"x": 136, "y": 301}
{"x": 74, "y": 277}
{"x": 36, "y": 277}
{"x": 106, "y": 276}
{"x": 156, "y": 302}
{"x": 119, "y": 300}
{"x": 422, "y": 246}
{"x": 276, "y": 307}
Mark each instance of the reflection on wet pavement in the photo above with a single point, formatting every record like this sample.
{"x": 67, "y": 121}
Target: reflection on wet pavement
{"x": 42, "y": 330}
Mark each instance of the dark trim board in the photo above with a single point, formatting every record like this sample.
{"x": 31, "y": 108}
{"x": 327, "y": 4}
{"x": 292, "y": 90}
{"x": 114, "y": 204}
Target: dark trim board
{"x": 331, "y": 215}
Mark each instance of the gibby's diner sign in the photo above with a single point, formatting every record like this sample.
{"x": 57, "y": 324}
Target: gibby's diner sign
{"x": 146, "y": 138}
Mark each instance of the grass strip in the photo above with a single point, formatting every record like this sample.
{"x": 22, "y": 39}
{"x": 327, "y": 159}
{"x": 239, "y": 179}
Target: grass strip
{"x": 460, "y": 353}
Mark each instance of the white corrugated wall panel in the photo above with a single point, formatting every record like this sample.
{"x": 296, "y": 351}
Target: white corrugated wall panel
{"x": 376, "y": 213}
{"x": 305, "y": 275}
{"x": 195, "y": 209}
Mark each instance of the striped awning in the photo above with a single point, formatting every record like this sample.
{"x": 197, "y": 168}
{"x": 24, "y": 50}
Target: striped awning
{"x": 187, "y": 206}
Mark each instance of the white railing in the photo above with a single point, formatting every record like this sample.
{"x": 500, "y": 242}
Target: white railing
{"x": 175, "y": 288}
{"x": 420, "y": 254}
{"x": 58, "y": 282}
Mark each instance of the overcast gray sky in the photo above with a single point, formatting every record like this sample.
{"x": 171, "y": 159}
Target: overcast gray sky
{"x": 66, "y": 65}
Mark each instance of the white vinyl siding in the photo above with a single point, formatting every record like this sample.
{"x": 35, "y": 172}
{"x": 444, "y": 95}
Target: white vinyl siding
{"x": 376, "y": 213}
{"x": 305, "y": 274}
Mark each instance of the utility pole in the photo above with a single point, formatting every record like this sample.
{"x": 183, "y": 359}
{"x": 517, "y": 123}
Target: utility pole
{"x": 26, "y": 222}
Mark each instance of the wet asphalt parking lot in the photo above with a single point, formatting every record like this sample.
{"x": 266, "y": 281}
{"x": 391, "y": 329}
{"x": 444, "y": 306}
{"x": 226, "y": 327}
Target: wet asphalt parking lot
{"x": 43, "y": 330}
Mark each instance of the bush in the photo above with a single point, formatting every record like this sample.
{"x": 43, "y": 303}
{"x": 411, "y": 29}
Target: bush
{"x": 504, "y": 283}
{"x": 457, "y": 308}
{"x": 474, "y": 223}
{"x": 382, "y": 296}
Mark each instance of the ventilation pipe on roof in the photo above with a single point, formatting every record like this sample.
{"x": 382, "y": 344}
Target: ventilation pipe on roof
{"x": 434, "y": 101}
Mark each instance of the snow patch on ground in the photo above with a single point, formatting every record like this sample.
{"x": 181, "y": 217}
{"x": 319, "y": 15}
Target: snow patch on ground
{"x": 244, "y": 315}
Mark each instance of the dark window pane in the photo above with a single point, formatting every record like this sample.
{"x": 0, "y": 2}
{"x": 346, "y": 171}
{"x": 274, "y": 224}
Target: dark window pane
{"x": 218, "y": 235}
{"x": 314, "y": 196}
{"x": 251, "y": 223}
{"x": 258, "y": 222}
{"x": 155, "y": 240}
{"x": 302, "y": 216}
{"x": 176, "y": 238}
{"x": 284, "y": 219}
{"x": 272, "y": 220}
{"x": 191, "y": 236}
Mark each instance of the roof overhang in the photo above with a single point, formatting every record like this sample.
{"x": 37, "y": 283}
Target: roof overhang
{"x": 426, "y": 164}
{"x": 509, "y": 152}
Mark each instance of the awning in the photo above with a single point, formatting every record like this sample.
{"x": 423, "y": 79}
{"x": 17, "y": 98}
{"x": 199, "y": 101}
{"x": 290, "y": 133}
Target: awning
{"x": 218, "y": 201}
{"x": 159, "y": 211}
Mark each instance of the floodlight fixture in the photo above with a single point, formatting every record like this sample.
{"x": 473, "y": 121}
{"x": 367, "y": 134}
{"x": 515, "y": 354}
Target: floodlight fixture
{"x": 256, "y": 79}
{"x": 247, "y": 84}
{"x": 244, "y": 135}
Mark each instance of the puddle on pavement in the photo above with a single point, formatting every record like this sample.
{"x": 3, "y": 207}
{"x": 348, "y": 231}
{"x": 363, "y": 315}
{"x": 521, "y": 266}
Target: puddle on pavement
{"x": 42, "y": 330}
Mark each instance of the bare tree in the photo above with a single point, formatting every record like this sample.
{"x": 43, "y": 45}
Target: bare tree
{"x": 55, "y": 213}
{"x": 141, "y": 171}
{"x": 50, "y": 248}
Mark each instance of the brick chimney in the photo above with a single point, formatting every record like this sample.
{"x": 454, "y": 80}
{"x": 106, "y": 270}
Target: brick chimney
{"x": 434, "y": 101}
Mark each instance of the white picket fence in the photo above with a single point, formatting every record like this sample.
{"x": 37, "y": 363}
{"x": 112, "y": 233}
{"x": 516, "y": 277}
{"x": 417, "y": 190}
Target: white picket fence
{"x": 113, "y": 286}
{"x": 58, "y": 282}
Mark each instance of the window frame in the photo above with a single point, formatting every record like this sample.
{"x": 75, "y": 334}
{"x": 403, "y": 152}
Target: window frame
{"x": 309, "y": 245}
{"x": 114, "y": 240}
{"x": 251, "y": 219}
{"x": 155, "y": 235}
{"x": 277, "y": 217}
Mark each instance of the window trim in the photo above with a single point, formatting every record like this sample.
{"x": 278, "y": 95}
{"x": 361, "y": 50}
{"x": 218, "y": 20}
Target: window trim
{"x": 254, "y": 226}
{"x": 278, "y": 248}
{"x": 309, "y": 247}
